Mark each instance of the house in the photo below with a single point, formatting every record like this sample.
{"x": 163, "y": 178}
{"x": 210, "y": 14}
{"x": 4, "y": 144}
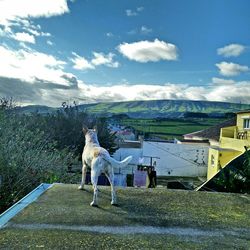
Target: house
{"x": 212, "y": 134}
{"x": 127, "y": 148}
{"x": 122, "y": 132}
{"x": 233, "y": 142}
{"x": 174, "y": 159}
{"x": 169, "y": 159}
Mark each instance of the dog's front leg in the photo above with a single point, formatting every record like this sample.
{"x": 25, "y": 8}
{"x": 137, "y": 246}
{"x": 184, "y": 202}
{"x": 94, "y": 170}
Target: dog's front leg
{"x": 84, "y": 170}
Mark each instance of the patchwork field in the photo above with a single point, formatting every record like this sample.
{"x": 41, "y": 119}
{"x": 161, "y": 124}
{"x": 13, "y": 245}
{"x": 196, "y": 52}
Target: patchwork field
{"x": 171, "y": 128}
{"x": 145, "y": 219}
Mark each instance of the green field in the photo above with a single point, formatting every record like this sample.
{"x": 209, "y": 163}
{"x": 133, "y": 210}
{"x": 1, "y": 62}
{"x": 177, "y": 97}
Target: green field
{"x": 171, "y": 128}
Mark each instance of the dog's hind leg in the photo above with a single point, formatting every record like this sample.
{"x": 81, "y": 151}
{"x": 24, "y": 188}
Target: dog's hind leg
{"x": 94, "y": 180}
{"x": 95, "y": 172}
{"x": 84, "y": 170}
{"x": 110, "y": 176}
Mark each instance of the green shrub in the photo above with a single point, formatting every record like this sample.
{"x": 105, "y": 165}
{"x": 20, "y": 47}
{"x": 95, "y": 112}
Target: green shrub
{"x": 27, "y": 158}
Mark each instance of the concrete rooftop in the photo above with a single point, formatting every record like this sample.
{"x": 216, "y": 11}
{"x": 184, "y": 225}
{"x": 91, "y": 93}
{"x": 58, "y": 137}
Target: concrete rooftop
{"x": 61, "y": 218}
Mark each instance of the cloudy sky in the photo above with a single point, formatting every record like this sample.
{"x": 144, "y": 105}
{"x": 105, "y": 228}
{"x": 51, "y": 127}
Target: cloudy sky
{"x": 113, "y": 50}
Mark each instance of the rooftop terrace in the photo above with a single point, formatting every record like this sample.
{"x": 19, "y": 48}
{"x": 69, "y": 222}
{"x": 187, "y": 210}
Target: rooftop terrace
{"x": 61, "y": 218}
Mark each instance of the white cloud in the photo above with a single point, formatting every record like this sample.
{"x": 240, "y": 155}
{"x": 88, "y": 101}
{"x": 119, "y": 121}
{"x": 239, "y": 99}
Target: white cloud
{"x": 231, "y": 50}
{"x": 239, "y": 92}
{"x": 81, "y": 63}
{"x": 109, "y": 34}
{"x": 5, "y": 32}
{"x": 76, "y": 90}
{"x": 139, "y": 9}
{"x": 30, "y": 27}
{"x": 123, "y": 92}
{"x": 132, "y": 32}
{"x": 16, "y": 10}
{"x": 24, "y": 37}
{"x": 145, "y": 30}
{"x": 231, "y": 69}
{"x": 49, "y": 42}
{"x": 29, "y": 65}
{"x": 131, "y": 13}
{"x": 102, "y": 59}
{"x": 221, "y": 81}
{"x": 33, "y": 31}
{"x": 145, "y": 51}
{"x": 15, "y": 13}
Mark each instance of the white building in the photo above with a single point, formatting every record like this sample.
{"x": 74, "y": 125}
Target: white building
{"x": 177, "y": 159}
{"x": 169, "y": 159}
{"x": 126, "y": 149}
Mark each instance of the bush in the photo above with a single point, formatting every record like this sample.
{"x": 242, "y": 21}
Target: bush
{"x": 38, "y": 148}
{"x": 27, "y": 158}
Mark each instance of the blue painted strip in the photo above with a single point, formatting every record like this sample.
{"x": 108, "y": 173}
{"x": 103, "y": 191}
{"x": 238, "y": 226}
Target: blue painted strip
{"x": 24, "y": 202}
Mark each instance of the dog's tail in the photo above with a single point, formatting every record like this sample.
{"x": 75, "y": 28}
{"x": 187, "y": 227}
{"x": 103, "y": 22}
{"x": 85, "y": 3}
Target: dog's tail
{"x": 119, "y": 164}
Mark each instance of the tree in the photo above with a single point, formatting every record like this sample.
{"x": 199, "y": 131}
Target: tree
{"x": 65, "y": 128}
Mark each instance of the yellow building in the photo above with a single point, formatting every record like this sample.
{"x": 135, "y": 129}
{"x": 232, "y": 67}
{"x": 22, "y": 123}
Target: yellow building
{"x": 233, "y": 142}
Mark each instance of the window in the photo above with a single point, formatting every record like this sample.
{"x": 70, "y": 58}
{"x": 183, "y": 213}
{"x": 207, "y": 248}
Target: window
{"x": 246, "y": 123}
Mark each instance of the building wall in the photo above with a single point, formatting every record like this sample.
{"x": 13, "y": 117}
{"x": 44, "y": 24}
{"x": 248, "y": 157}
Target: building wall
{"x": 213, "y": 163}
{"x": 230, "y": 147}
{"x": 236, "y": 144}
{"x": 177, "y": 159}
{"x": 240, "y": 119}
{"x": 122, "y": 153}
{"x": 218, "y": 159}
{"x": 174, "y": 159}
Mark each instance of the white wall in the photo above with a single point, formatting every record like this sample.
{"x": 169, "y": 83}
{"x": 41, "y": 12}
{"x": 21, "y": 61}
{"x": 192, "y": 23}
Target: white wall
{"x": 122, "y": 153}
{"x": 177, "y": 159}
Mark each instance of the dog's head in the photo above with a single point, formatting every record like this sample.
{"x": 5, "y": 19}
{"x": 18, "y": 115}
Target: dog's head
{"x": 90, "y": 134}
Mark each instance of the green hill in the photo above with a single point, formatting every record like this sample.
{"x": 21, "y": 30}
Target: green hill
{"x": 151, "y": 109}
{"x": 163, "y": 108}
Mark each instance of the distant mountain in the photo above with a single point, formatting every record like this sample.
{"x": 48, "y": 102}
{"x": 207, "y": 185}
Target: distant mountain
{"x": 36, "y": 109}
{"x": 151, "y": 109}
{"x": 163, "y": 108}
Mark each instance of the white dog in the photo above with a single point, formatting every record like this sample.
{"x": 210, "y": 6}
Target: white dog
{"x": 99, "y": 160}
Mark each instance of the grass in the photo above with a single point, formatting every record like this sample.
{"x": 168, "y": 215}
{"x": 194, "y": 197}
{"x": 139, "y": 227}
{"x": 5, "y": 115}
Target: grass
{"x": 65, "y": 205}
{"x": 144, "y": 206}
{"x": 55, "y": 239}
{"x": 172, "y": 128}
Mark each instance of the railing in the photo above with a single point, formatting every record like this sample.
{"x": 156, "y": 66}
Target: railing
{"x": 243, "y": 135}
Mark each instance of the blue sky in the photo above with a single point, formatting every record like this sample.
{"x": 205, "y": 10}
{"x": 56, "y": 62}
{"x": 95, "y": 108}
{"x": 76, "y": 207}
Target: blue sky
{"x": 90, "y": 51}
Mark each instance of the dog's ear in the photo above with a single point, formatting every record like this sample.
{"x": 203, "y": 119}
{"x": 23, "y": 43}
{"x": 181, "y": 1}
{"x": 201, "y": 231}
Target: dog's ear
{"x": 84, "y": 129}
{"x": 95, "y": 129}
